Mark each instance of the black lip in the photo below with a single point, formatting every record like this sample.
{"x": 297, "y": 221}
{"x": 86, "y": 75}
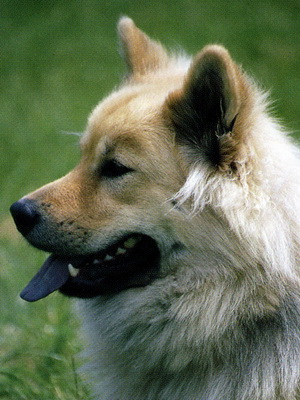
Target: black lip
{"x": 139, "y": 267}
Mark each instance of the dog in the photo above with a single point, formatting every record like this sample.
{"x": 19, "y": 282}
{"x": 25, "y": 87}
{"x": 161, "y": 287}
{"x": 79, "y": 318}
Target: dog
{"x": 179, "y": 232}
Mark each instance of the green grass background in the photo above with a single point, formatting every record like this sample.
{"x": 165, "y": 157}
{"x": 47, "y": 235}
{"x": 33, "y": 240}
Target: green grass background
{"x": 58, "y": 59}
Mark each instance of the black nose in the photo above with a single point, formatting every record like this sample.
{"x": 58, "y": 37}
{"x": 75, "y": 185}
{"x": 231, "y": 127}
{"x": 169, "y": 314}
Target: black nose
{"x": 25, "y": 215}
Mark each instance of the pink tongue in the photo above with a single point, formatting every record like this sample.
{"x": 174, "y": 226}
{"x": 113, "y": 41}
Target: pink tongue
{"x": 53, "y": 274}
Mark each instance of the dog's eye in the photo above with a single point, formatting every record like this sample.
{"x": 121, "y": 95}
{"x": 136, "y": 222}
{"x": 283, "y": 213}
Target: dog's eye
{"x": 114, "y": 169}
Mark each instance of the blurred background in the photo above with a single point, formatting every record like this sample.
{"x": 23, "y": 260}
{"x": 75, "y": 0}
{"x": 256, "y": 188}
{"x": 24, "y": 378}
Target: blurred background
{"x": 58, "y": 59}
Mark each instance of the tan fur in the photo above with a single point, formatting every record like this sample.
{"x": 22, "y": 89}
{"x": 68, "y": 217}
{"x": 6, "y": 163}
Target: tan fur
{"x": 142, "y": 54}
{"x": 222, "y": 319}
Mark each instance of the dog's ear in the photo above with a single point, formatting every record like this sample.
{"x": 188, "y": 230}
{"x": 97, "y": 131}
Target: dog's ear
{"x": 141, "y": 53}
{"x": 207, "y": 112}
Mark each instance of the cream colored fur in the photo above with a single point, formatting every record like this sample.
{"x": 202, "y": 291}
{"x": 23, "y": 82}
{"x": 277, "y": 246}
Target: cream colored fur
{"x": 175, "y": 339}
{"x": 222, "y": 320}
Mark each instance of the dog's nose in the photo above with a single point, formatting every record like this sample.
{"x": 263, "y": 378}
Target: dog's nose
{"x": 25, "y": 215}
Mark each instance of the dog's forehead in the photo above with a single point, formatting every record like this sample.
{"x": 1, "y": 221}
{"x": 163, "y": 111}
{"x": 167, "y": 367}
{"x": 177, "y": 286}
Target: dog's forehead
{"x": 129, "y": 115}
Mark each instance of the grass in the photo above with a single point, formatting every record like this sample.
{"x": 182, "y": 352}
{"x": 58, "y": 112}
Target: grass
{"x": 57, "y": 60}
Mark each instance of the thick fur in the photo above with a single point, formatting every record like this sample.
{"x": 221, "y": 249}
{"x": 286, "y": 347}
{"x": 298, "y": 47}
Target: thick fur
{"x": 216, "y": 185}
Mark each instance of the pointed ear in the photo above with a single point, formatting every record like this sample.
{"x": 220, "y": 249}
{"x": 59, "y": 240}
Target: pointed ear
{"x": 141, "y": 54}
{"x": 207, "y": 112}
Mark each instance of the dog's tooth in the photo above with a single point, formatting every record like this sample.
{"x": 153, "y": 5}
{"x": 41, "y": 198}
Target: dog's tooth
{"x": 108, "y": 257}
{"x": 73, "y": 271}
{"x": 120, "y": 251}
{"x": 130, "y": 243}
{"x": 96, "y": 261}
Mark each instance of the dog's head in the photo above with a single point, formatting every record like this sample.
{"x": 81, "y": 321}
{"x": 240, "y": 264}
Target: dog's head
{"x": 114, "y": 221}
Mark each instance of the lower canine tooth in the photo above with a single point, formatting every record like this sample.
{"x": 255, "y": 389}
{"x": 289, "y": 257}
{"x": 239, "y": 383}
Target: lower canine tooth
{"x": 108, "y": 257}
{"x": 73, "y": 271}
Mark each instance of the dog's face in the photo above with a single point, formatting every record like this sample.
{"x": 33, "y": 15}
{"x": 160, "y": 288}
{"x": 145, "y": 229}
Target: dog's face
{"x": 108, "y": 218}
{"x": 111, "y": 223}
{"x": 101, "y": 220}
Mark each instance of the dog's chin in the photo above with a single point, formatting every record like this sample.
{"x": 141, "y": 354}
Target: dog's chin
{"x": 131, "y": 262}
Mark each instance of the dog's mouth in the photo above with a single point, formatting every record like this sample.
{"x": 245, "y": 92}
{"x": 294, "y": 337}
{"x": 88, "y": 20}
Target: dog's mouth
{"x": 130, "y": 262}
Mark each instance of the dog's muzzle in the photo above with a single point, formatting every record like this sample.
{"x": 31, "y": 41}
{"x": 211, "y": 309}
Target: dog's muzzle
{"x": 129, "y": 261}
